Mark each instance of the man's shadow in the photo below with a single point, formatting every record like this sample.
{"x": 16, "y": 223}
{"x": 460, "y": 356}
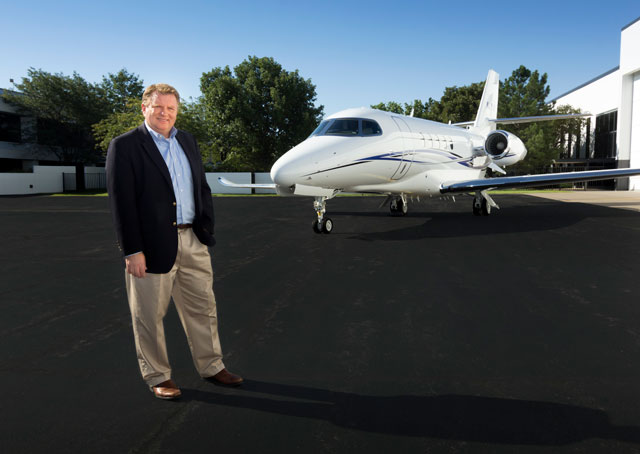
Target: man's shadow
{"x": 454, "y": 417}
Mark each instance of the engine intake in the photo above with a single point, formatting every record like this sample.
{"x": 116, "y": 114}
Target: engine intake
{"x": 497, "y": 144}
{"x": 504, "y": 148}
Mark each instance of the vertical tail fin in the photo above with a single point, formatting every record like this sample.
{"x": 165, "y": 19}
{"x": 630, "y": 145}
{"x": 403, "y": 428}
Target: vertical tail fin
{"x": 488, "y": 108}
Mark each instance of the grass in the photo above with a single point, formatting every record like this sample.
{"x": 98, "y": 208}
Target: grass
{"x": 88, "y": 193}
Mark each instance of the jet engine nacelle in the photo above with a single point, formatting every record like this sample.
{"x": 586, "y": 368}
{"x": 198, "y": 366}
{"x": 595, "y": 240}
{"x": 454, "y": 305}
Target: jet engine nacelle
{"x": 504, "y": 148}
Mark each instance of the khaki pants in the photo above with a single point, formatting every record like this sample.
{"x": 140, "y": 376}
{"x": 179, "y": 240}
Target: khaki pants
{"x": 190, "y": 283}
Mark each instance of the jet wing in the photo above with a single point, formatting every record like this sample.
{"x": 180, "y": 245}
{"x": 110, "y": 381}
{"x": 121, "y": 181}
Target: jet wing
{"x": 224, "y": 182}
{"x": 534, "y": 180}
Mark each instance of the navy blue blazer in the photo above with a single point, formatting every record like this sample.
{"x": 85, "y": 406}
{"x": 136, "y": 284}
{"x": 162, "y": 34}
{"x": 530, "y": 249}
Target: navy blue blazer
{"x": 142, "y": 200}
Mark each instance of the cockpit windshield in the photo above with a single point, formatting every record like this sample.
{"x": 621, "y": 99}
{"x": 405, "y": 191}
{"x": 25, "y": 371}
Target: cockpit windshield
{"x": 349, "y": 127}
{"x": 343, "y": 127}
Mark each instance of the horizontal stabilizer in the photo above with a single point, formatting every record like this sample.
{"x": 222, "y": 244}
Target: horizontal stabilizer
{"x": 517, "y": 120}
{"x": 535, "y": 180}
{"x": 224, "y": 182}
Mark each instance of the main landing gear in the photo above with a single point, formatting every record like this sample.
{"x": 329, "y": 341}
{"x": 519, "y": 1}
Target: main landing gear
{"x": 322, "y": 224}
{"x": 482, "y": 204}
{"x": 398, "y": 205}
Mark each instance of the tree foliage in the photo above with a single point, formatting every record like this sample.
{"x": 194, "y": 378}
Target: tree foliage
{"x": 257, "y": 112}
{"x": 66, "y": 107}
{"x": 117, "y": 123}
{"x": 118, "y": 90}
{"x": 456, "y": 105}
{"x": 524, "y": 94}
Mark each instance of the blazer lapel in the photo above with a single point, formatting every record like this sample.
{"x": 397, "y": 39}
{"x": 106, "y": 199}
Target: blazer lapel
{"x": 150, "y": 148}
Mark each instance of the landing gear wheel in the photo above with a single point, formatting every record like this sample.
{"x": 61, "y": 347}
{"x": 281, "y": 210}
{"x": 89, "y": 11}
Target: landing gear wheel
{"x": 477, "y": 208}
{"x": 316, "y": 226}
{"x": 398, "y": 207}
{"x": 404, "y": 208}
{"x": 327, "y": 225}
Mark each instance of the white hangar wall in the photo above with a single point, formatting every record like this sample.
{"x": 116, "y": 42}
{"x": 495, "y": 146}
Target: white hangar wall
{"x": 595, "y": 96}
{"x": 629, "y": 113}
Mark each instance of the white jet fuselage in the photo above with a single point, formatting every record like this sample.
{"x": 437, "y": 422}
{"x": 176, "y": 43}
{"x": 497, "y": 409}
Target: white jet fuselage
{"x": 408, "y": 155}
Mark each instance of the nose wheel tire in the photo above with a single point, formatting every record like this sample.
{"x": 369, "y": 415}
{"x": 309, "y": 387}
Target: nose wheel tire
{"x": 326, "y": 226}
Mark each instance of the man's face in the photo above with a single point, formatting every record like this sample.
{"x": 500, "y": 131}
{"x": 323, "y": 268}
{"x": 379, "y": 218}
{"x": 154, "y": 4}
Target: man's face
{"x": 161, "y": 112}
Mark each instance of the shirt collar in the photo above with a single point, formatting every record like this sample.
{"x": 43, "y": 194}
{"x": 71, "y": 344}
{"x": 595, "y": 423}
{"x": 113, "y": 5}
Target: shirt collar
{"x": 157, "y": 135}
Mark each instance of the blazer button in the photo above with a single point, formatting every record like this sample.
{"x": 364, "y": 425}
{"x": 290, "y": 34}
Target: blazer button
{"x": 175, "y": 223}
{"x": 174, "y": 204}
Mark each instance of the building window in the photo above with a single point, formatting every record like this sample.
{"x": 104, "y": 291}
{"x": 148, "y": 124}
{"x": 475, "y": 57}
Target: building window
{"x": 10, "y": 127}
{"x": 605, "y": 135}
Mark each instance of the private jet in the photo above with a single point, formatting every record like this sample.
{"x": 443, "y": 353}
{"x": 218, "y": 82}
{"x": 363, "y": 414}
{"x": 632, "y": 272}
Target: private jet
{"x": 365, "y": 150}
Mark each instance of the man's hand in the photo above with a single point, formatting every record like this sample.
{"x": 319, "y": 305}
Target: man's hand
{"x": 136, "y": 264}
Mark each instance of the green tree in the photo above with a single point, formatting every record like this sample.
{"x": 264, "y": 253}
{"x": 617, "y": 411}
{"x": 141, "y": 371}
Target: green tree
{"x": 193, "y": 117}
{"x": 458, "y": 104}
{"x": 257, "y": 112}
{"x": 68, "y": 107}
{"x": 524, "y": 94}
{"x": 568, "y": 133}
{"x": 392, "y": 107}
{"x": 120, "y": 89}
{"x": 117, "y": 123}
{"x": 65, "y": 108}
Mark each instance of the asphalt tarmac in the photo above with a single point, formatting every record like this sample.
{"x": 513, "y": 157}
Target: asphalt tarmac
{"x": 434, "y": 332}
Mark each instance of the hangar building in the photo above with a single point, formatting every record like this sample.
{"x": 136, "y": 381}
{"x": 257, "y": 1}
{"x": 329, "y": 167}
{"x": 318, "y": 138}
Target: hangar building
{"x": 611, "y": 138}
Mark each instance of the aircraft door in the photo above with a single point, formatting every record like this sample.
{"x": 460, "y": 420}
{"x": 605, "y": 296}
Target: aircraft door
{"x": 406, "y": 152}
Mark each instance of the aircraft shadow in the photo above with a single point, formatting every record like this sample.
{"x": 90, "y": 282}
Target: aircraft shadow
{"x": 447, "y": 224}
{"x": 457, "y": 225}
{"x": 453, "y": 417}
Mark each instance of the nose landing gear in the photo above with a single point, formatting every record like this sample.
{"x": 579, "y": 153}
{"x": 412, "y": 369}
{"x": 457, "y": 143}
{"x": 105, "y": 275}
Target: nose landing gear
{"x": 322, "y": 224}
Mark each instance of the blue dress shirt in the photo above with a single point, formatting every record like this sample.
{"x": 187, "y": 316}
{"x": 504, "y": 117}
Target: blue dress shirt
{"x": 180, "y": 172}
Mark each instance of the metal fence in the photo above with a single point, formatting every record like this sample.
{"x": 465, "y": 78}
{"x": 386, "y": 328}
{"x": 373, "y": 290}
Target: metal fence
{"x": 560, "y": 167}
{"x": 91, "y": 181}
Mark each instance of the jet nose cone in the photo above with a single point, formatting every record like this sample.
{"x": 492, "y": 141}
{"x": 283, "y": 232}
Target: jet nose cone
{"x": 282, "y": 174}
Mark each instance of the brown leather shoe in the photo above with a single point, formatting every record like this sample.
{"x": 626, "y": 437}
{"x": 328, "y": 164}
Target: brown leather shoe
{"x": 226, "y": 378}
{"x": 166, "y": 390}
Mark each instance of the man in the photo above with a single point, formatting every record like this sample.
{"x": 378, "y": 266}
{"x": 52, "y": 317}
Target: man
{"x": 163, "y": 214}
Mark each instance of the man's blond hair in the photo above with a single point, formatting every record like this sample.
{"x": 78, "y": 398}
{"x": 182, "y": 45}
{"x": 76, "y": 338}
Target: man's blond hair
{"x": 162, "y": 89}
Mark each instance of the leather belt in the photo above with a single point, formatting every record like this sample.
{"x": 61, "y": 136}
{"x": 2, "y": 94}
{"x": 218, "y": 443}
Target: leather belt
{"x": 184, "y": 226}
